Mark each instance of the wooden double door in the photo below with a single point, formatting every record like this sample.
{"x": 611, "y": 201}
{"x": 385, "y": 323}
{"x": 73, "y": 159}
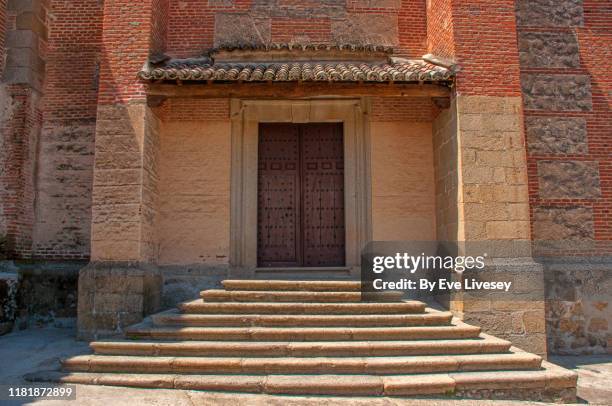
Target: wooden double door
{"x": 300, "y": 213}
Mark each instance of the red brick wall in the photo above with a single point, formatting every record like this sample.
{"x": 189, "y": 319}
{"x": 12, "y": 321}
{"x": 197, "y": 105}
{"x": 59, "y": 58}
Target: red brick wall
{"x": 486, "y": 49}
{"x": 594, "y": 42}
{"x": 195, "y": 109}
{"x": 159, "y": 25}
{"x": 402, "y": 109}
{"x": 481, "y": 39}
{"x": 131, "y": 30}
{"x": 412, "y": 27}
{"x": 440, "y": 40}
{"x": 74, "y": 48}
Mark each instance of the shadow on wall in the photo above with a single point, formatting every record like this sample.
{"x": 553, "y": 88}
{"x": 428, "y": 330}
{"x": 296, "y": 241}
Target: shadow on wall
{"x": 37, "y": 294}
{"x": 184, "y": 283}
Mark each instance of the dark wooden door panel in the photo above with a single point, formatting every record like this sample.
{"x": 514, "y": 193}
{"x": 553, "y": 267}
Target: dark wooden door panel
{"x": 322, "y": 195}
{"x": 301, "y": 195}
{"x": 278, "y": 209}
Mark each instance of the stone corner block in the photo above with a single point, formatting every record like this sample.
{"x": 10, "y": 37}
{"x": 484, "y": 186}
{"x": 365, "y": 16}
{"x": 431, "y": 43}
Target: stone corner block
{"x": 114, "y": 295}
{"x": 31, "y": 21}
{"x": 520, "y": 312}
{"x": 20, "y": 75}
{"x": 22, "y": 39}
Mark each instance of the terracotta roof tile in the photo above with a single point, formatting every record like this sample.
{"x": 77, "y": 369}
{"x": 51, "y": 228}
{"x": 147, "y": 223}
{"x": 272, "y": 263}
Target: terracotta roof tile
{"x": 296, "y": 62}
{"x": 192, "y": 70}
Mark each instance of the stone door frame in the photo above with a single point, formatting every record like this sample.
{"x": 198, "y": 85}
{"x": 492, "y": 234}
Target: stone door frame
{"x": 245, "y": 117}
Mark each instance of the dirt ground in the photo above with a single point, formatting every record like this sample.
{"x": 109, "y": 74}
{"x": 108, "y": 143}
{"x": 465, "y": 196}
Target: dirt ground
{"x": 40, "y": 349}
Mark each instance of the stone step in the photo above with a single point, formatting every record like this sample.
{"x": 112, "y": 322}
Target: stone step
{"x": 311, "y": 365}
{"x": 174, "y": 318}
{"x": 308, "y": 286}
{"x": 199, "y": 306}
{"x": 454, "y": 331}
{"x": 219, "y": 295}
{"x": 551, "y": 383}
{"x": 483, "y": 345}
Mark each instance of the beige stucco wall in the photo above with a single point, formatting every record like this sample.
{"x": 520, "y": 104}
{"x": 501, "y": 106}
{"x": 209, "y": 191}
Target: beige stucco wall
{"x": 194, "y": 189}
{"x": 194, "y": 217}
{"x": 403, "y": 189}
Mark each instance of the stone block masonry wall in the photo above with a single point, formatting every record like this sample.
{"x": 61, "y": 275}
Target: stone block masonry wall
{"x": 194, "y": 26}
{"x": 565, "y": 54}
{"x": 122, "y": 283}
{"x": 493, "y": 206}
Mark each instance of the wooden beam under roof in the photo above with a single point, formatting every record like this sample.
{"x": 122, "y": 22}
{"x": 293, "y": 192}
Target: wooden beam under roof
{"x": 296, "y": 90}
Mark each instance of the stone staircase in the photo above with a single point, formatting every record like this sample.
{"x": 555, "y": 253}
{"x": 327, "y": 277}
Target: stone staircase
{"x": 315, "y": 338}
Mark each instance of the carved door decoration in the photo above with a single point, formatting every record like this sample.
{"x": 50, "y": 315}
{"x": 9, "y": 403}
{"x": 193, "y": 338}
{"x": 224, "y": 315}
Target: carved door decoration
{"x": 301, "y": 195}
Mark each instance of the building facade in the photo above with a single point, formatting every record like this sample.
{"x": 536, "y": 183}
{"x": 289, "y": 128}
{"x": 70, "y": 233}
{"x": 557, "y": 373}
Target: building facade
{"x": 152, "y": 148}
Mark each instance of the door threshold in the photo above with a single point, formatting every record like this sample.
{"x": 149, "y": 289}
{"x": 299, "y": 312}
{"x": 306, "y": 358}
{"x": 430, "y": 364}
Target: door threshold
{"x": 304, "y": 269}
{"x": 304, "y": 273}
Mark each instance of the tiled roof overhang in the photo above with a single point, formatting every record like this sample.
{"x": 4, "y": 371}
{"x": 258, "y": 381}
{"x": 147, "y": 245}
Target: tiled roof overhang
{"x": 297, "y": 63}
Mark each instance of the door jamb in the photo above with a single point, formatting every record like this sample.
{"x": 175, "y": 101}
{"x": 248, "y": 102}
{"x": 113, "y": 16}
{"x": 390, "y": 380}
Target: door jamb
{"x": 246, "y": 116}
